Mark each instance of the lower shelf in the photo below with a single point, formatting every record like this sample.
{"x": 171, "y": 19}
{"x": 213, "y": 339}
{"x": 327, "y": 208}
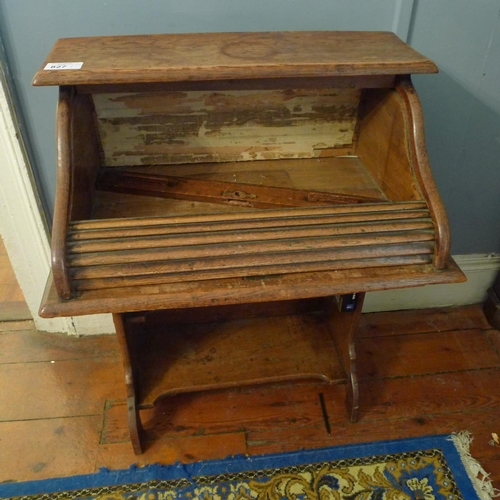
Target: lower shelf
{"x": 182, "y": 357}
{"x": 177, "y": 351}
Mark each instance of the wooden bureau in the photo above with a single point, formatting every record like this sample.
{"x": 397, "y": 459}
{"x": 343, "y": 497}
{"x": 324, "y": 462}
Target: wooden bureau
{"x": 239, "y": 189}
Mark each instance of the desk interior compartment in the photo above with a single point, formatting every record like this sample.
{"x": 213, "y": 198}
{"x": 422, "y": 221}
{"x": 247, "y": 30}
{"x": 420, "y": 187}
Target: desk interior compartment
{"x": 169, "y": 185}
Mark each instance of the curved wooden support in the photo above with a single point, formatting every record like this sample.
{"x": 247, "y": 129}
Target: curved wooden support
{"x": 77, "y": 166}
{"x": 134, "y": 425}
{"x": 344, "y": 328}
{"x": 63, "y": 189}
{"x": 423, "y": 172}
{"x": 134, "y": 419}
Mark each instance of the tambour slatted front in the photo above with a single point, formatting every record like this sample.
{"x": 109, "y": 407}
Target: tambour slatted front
{"x": 102, "y": 254}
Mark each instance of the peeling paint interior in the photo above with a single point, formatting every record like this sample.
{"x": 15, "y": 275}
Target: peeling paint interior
{"x": 239, "y": 125}
{"x": 315, "y": 139}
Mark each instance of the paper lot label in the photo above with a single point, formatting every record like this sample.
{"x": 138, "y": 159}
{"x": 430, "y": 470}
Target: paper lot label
{"x": 63, "y": 65}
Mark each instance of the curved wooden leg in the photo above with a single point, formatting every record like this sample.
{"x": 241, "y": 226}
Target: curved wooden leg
{"x": 134, "y": 419}
{"x": 344, "y": 328}
{"x": 352, "y": 398}
{"x": 134, "y": 425}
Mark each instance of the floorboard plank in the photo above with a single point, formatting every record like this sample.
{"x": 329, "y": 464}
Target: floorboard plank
{"x": 13, "y": 306}
{"x": 478, "y": 423}
{"x": 285, "y": 407}
{"x": 423, "y": 372}
{"x": 168, "y": 451}
{"x": 59, "y": 389}
{"x": 14, "y": 310}
{"x": 288, "y": 406}
{"x": 16, "y": 326}
{"x": 417, "y": 321}
{"x": 429, "y": 395}
{"x": 408, "y": 355}
{"x": 31, "y": 346}
{"x": 40, "y": 449}
{"x": 494, "y": 337}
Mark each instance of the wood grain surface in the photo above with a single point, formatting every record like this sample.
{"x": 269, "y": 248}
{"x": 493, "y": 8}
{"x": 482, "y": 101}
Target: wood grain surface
{"x": 179, "y": 358}
{"x": 422, "y": 169}
{"x": 341, "y": 175}
{"x": 250, "y": 420}
{"x": 215, "y": 56}
{"x": 205, "y": 251}
{"x": 220, "y": 192}
{"x": 238, "y": 290}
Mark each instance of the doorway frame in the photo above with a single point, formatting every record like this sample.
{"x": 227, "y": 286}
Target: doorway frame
{"x": 24, "y": 228}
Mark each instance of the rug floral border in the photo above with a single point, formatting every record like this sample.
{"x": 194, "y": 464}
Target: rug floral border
{"x": 422, "y": 474}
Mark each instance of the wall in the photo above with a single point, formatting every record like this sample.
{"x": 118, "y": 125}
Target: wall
{"x": 462, "y": 114}
{"x": 461, "y": 104}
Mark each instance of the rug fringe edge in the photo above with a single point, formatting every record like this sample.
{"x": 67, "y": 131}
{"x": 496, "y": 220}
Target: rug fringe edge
{"x": 479, "y": 477}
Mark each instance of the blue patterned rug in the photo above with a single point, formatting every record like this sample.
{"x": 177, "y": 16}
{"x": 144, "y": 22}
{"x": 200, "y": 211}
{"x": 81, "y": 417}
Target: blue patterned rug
{"x": 429, "y": 468}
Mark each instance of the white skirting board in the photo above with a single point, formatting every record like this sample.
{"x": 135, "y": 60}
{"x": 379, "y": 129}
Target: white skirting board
{"x": 480, "y": 269}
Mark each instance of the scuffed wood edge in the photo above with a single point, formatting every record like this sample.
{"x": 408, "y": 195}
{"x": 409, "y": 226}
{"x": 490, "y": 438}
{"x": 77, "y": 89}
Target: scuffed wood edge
{"x": 233, "y": 291}
{"x": 62, "y": 201}
{"x": 235, "y": 72}
{"x": 133, "y": 415}
{"x": 422, "y": 170}
{"x": 343, "y": 329}
{"x": 226, "y": 55}
{"x": 319, "y": 82}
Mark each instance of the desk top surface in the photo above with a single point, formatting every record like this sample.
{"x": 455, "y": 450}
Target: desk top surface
{"x": 228, "y": 56}
{"x": 240, "y": 290}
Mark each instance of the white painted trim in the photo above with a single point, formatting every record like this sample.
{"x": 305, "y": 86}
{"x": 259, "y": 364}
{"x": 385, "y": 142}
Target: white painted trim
{"x": 93, "y": 325}
{"x": 480, "y": 269}
{"x": 401, "y": 22}
{"x": 23, "y": 227}
{"x": 478, "y": 262}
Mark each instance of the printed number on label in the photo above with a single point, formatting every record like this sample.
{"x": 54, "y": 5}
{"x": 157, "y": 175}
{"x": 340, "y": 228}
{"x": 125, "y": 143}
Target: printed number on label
{"x": 65, "y": 65}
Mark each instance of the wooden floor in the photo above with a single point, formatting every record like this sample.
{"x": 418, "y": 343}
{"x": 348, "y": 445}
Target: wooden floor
{"x": 62, "y": 408}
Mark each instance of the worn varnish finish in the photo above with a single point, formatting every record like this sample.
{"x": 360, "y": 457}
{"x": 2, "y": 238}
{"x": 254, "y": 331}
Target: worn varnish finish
{"x": 231, "y": 56}
{"x": 339, "y": 176}
{"x": 388, "y": 125}
{"x": 218, "y": 173}
{"x": 315, "y": 239}
{"x": 422, "y": 169}
{"x": 194, "y": 353}
{"x": 320, "y": 82}
{"x": 220, "y": 192}
{"x": 344, "y": 328}
{"x": 383, "y": 146}
{"x": 77, "y": 167}
{"x": 404, "y": 273}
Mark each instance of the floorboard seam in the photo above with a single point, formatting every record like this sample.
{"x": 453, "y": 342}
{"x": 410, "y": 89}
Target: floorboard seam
{"x": 54, "y": 361}
{"x": 416, "y": 375}
{"x": 49, "y": 418}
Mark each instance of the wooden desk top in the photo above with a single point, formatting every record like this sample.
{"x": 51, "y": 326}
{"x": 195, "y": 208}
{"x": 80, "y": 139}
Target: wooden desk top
{"x": 245, "y": 290}
{"x": 229, "y": 56}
